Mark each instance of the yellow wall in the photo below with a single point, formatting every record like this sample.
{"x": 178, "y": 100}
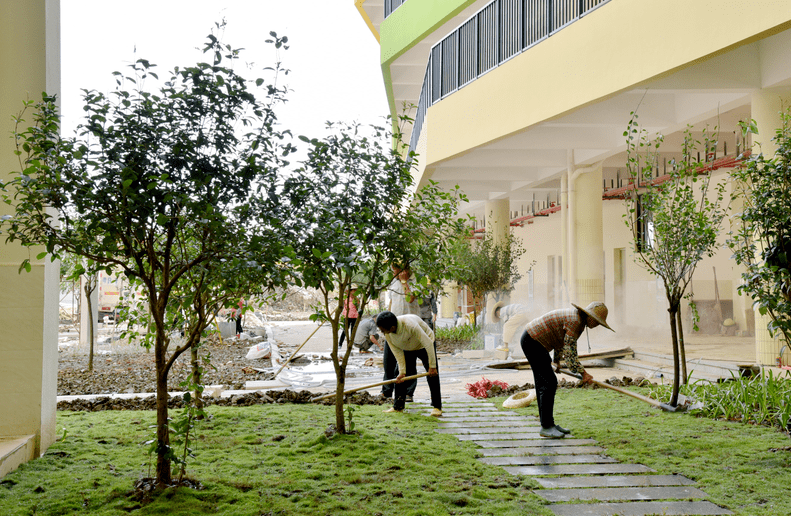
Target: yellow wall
{"x": 567, "y": 71}
{"x": 29, "y": 60}
{"x": 644, "y": 304}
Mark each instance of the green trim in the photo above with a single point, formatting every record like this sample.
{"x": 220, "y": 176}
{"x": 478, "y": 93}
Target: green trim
{"x": 411, "y": 22}
{"x": 406, "y": 27}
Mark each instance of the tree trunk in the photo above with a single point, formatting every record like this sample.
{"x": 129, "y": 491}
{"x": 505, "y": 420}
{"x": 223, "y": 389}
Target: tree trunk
{"x": 197, "y": 395}
{"x": 681, "y": 349}
{"x": 90, "y": 286}
{"x": 676, "y": 372}
{"x": 340, "y": 421}
{"x": 340, "y": 375}
{"x": 163, "y": 473}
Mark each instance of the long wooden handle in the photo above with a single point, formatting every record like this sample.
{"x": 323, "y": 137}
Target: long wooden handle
{"x": 619, "y": 389}
{"x": 295, "y": 352}
{"x": 332, "y": 395}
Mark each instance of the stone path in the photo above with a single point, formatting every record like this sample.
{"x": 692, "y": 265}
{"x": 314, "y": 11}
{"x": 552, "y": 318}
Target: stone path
{"x": 572, "y": 472}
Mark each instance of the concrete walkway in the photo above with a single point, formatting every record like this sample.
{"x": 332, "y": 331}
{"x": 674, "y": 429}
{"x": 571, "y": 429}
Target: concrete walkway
{"x": 572, "y": 472}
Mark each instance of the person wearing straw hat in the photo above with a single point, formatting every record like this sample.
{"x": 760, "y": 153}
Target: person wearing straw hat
{"x": 558, "y": 331}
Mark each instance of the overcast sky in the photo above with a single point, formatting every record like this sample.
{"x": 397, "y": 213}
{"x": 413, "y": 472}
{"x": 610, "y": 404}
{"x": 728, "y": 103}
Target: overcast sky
{"x": 333, "y": 57}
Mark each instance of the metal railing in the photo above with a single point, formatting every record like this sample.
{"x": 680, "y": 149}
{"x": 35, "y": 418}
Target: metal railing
{"x": 392, "y": 5}
{"x": 496, "y": 33}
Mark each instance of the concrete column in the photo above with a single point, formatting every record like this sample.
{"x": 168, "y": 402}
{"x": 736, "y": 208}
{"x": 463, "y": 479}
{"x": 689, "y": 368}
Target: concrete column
{"x": 564, "y": 244}
{"x": 589, "y": 264}
{"x": 767, "y": 104}
{"x": 30, "y": 60}
{"x": 743, "y": 312}
{"x": 498, "y": 225}
{"x": 498, "y": 218}
{"x": 449, "y": 301}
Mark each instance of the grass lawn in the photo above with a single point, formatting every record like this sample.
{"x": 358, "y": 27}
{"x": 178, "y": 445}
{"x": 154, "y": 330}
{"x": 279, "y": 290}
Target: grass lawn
{"x": 276, "y": 460}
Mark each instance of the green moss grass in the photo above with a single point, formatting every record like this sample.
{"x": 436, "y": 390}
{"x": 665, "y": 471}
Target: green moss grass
{"x": 267, "y": 460}
{"x": 276, "y": 460}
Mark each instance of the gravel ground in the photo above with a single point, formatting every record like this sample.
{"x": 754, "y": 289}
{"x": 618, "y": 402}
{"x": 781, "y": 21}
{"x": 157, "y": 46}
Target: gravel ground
{"x": 130, "y": 369}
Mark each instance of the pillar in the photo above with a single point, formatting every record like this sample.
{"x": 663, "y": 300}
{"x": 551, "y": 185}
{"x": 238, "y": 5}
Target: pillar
{"x": 450, "y": 301}
{"x": 30, "y": 60}
{"x": 587, "y": 218}
{"x": 564, "y": 244}
{"x": 767, "y": 104}
{"x": 498, "y": 225}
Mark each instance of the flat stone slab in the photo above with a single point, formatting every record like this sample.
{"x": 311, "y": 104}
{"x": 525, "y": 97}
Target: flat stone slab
{"x": 639, "y": 509}
{"x": 509, "y": 423}
{"x": 529, "y": 443}
{"x": 492, "y": 416}
{"x": 492, "y": 436}
{"x": 541, "y": 450}
{"x": 549, "y": 459}
{"x": 510, "y": 429}
{"x": 614, "y": 481}
{"x": 617, "y": 494}
{"x": 474, "y": 411}
{"x": 578, "y": 469}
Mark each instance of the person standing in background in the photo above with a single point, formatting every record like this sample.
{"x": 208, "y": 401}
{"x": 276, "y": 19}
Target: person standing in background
{"x": 349, "y": 315}
{"x": 428, "y": 310}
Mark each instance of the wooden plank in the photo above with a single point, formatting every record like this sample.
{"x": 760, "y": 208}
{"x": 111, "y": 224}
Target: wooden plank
{"x": 607, "y": 353}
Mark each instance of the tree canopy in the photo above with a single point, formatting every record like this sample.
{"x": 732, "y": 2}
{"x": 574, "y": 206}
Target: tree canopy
{"x": 164, "y": 184}
{"x": 761, "y": 241}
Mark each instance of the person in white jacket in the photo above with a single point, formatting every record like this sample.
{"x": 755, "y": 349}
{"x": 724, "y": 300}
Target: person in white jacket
{"x": 410, "y": 339}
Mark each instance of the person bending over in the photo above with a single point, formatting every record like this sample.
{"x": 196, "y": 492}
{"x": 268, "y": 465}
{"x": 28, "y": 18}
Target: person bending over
{"x": 410, "y": 339}
{"x": 557, "y": 331}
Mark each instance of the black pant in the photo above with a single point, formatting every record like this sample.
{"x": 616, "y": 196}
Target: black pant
{"x": 411, "y": 357}
{"x": 544, "y": 376}
{"x": 239, "y": 325}
{"x": 347, "y": 327}
{"x": 390, "y": 365}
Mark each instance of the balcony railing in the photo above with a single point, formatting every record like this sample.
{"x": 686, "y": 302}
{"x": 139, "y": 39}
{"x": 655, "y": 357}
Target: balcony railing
{"x": 493, "y": 35}
{"x": 392, "y": 5}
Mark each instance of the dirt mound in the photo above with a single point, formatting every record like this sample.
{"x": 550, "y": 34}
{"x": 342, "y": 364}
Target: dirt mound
{"x": 236, "y": 400}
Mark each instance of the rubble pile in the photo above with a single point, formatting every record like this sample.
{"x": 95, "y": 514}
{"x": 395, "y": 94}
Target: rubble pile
{"x": 235, "y": 400}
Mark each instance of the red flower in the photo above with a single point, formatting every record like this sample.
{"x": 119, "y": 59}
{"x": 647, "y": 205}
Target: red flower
{"x": 480, "y": 389}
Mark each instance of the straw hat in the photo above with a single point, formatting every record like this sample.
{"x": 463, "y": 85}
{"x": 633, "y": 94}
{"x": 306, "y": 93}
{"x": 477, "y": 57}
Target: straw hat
{"x": 490, "y": 312}
{"x": 597, "y": 311}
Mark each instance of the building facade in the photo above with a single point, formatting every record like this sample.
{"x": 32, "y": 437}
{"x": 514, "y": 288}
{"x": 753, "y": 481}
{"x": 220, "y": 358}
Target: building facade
{"x": 30, "y": 64}
{"x": 524, "y": 104}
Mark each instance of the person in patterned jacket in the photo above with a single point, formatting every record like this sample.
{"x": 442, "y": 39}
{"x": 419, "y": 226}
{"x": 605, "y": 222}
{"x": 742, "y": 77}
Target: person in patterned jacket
{"x": 557, "y": 331}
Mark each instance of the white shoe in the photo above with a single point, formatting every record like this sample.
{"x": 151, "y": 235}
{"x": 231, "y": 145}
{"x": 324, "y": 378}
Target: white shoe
{"x": 436, "y": 412}
{"x": 391, "y": 409}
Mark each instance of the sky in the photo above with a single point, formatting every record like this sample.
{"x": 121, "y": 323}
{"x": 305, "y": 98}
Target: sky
{"x": 333, "y": 57}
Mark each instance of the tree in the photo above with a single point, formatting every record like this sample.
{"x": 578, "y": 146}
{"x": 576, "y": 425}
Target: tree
{"x": 762, "y": 242}
{"x": 157, "y": 185}
{"x": 488, "y": 267}
{"x": 358, "y": 214}
{"x": 90, "y": 276}
{"x": 673, "y": 221}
